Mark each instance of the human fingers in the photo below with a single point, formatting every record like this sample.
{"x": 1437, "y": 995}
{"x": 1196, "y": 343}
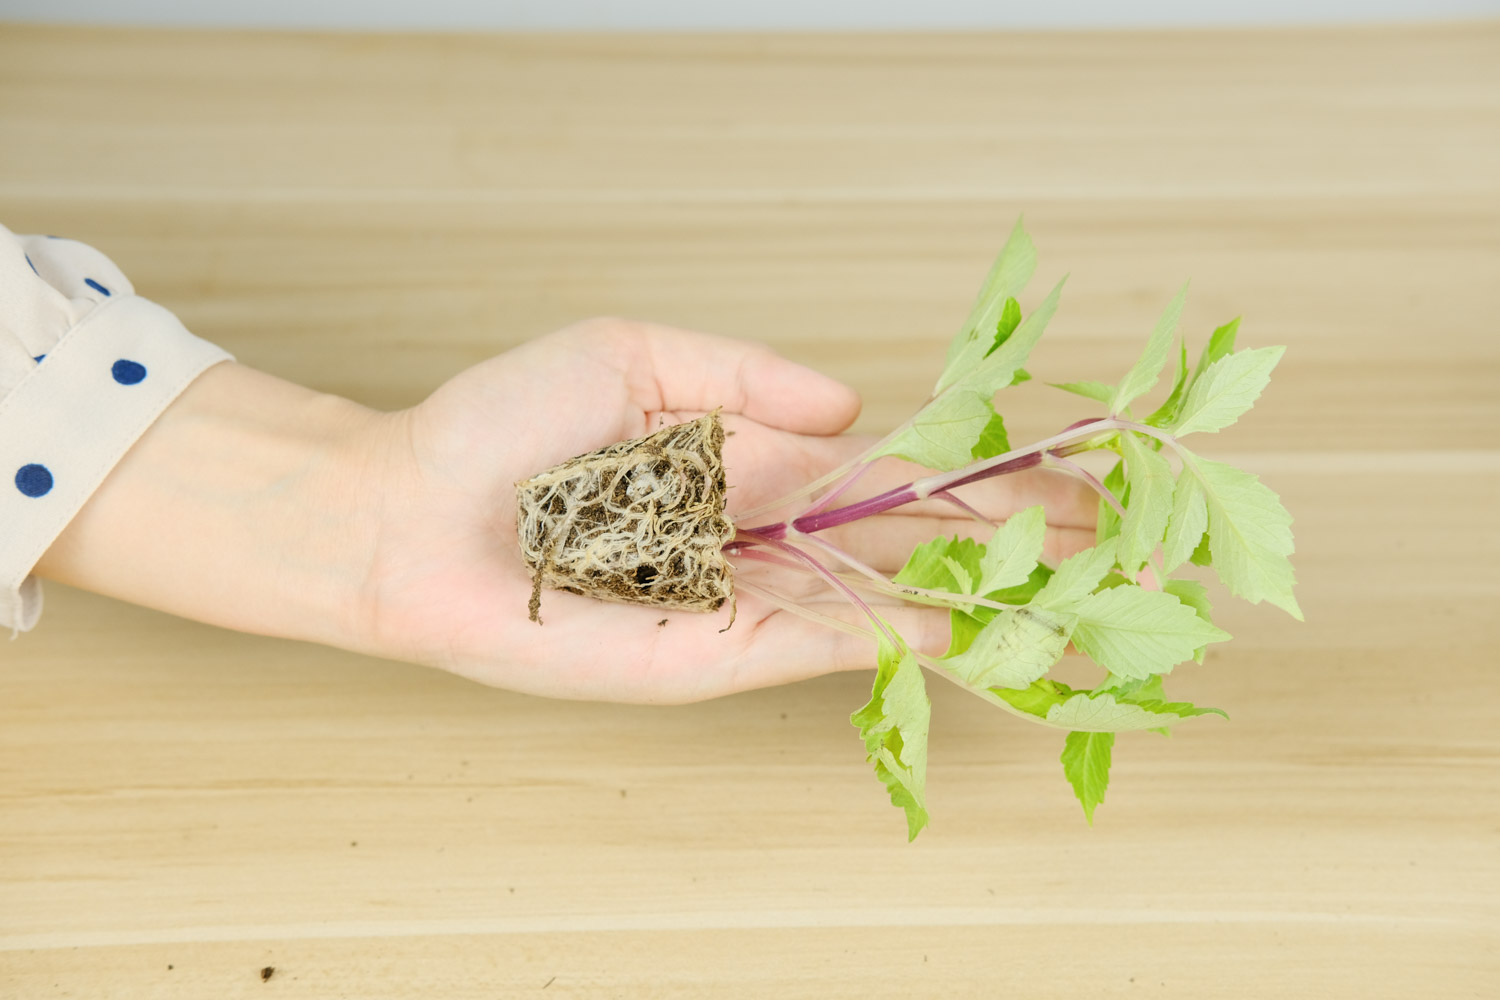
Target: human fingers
{"x": 666, "y": 368}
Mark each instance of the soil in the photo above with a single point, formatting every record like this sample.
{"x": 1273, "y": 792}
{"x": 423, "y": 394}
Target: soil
{"x": 640, "y": 522}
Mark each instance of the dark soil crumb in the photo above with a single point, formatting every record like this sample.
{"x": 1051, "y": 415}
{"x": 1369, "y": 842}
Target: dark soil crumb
{"x": 267, "y": 972}
{"x": 549, "y": 982}
{"x": 662, "y": 623}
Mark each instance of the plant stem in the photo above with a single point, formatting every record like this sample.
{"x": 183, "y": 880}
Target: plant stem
{"x": 838, "y": 491}
{"x": 922, "y": 489}
{"x": 944, "y": 598}
{"x": 793, "y": 607}
{"x": 1073, "y": 468}
{"x": 947, "y": 497}
{"x": 933, "y": 664}
{"x": 833, "y": 581}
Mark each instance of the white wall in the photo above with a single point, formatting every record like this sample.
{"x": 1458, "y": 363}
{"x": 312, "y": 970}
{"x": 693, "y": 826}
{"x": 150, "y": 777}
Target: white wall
{"x": 738, "y": 14}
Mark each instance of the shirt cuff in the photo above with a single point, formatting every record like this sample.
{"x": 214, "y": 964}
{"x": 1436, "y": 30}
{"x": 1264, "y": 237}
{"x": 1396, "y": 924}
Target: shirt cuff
{"x": 71, "y": 420}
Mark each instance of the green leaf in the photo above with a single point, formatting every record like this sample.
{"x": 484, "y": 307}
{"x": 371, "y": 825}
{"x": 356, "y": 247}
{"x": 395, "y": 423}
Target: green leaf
{"x": 1093, "y": 390}
{"x": 1135, "y": 633}
{"x": 1227, "y": 389}
{"x": 1143, "y": 375}
{"x": 1077, "y": 576}
{"x": 1150, "y": 478}
{"x": 1194, "y": 595}
{"x": 1007, "y": 277}
{"x": 894, "y": 725}
{"x": 1014, "y": 649}
{"x": 1023, "y": 592}
{"x": 1167, "y": 411}
{"x": 1249, "y": 534}
{"x": 929, "y": 568}
{"x": 960, "y": 575}
{"x": 993, "y": 372}
{"x": 1104, "y": 713}
{"x": 1085, "y": 761}
{"x": 1010, "y": 318}
{"x": 1013, "y": 551}
{"x": 1201, "y": 556}
{"x": 943, "y": 433}
{"x": 1108, "y": 525}
{"x": 1037, "y": 698}
{"x": 992, "y": 440}
{"x": 1220, "y": 344}
{"x": 1188, "y": 521}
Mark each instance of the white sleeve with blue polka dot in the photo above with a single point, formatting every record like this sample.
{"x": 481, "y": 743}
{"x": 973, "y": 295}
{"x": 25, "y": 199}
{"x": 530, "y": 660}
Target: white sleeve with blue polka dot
{"x": 86, "y": 366}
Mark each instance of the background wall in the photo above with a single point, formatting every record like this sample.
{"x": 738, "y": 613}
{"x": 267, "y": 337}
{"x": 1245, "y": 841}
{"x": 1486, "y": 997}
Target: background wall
{"x": 764, "y": 14}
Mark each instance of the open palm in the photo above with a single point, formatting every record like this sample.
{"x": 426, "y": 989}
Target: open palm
{"x": 447, "y": 585}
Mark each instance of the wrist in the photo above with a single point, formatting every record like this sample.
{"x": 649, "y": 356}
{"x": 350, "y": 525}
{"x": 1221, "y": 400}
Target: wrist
{"x": 245, "y": 505}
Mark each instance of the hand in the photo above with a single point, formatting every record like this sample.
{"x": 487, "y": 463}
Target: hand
{"x": 446, "y": 584}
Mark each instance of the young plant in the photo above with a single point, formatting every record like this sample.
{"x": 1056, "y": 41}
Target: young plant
{"x": 643, "y": 521}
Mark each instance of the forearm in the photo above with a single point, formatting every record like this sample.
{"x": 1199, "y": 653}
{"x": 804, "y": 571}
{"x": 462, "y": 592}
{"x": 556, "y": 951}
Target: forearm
{"x": 241, "y": 506}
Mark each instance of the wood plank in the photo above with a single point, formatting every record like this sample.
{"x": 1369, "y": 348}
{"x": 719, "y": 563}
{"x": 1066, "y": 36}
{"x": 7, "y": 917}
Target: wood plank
{"x": 372, "y": 214}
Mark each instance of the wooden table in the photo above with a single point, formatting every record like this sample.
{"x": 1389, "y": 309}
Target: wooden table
{"x": 182, "y": 807}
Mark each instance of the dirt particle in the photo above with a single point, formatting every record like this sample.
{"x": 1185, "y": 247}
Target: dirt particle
{"x": 622, "y": 793}
{"x": 267, "y": 972}
{"x": 353, "y": 843}
{"x": 662, "y": 623}
{"x": 549, "y": 982}
{"x": 169, "y": 968}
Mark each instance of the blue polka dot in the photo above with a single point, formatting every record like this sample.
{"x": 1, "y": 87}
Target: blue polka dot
{"x": 128, "y": 372}
{"x": 33, "y": 480}
{"x": 33, "y": 266}
{"x": 38, "y": 358}
{"x": 95, "y": 285}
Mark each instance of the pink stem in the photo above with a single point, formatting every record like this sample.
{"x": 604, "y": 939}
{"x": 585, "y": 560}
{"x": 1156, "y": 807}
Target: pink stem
{"x": 834, "y": 582}
{"x": 1075, "y": 469}
{"x": 955, "y": 501}
{"x": 834, "y": 494}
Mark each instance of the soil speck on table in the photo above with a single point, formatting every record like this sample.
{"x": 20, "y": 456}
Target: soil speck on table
{"x": 267, "y": 972}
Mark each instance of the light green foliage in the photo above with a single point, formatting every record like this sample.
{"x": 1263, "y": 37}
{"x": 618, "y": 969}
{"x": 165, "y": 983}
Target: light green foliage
{"x": 1150, "y": 479}
{"x": 943, "y": 434}
{"x": 996, "y": 370}
{"x": 1188, "y": 521}
{"x": 1107, "y": 713}
{"x": 894, "y": 725}
{"x": 1226, "y": 390}
{"x": 1012, "y": 616}
{"x": 1037, "y": 698}
{"x": 1097, "y": 391}
{"x": 1077, "y": 576}
{"x": 1249, "y": 534}
{"x": 1014, "y": 649}
{"x": 1012, "y": 552}
{"x": 992, "y": 440}
{"x": 1220, "y": 343}
{"x": 1008, "y": 276}
{"x": 1147, "y": 369}
{"x": 1167, "y": 411}
{"x": 1085, "y": 761}
{"x": 930, "y": 564}
{"x": 1194, "y": 595}
{"x": 1135, "y": 633}
{"x": 1107, "y": 524}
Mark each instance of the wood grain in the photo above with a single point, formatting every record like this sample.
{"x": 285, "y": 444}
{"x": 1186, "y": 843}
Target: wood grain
{"x": 181, "y": 807}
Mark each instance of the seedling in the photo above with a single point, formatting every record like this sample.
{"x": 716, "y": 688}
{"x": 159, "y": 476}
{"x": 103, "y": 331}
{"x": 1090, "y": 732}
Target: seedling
{"x": 643, "y": 521}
